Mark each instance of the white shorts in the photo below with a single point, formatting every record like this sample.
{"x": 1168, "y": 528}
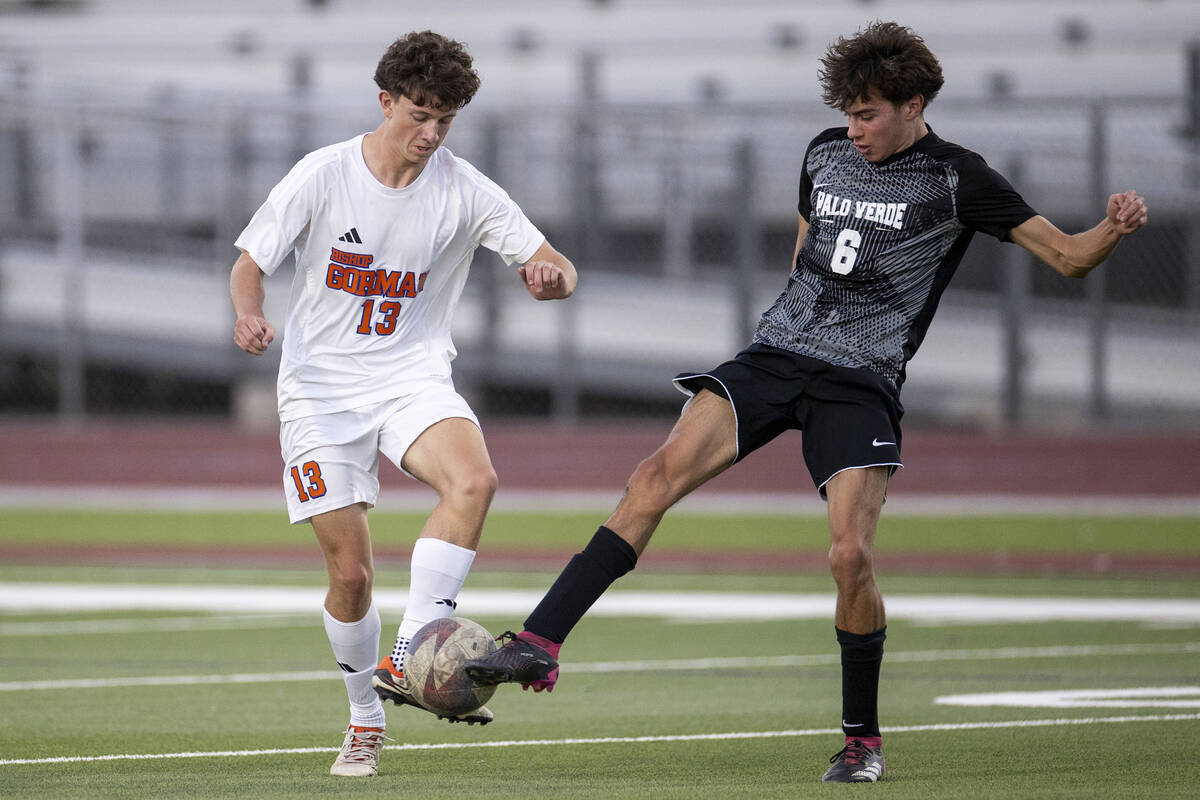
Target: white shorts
{"x": 331, "y": 461}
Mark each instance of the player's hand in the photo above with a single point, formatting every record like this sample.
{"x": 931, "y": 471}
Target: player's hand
{"x": 1127, "y": 211}
{"x": 544, "y": 280}
{"x": 253, "y": 334}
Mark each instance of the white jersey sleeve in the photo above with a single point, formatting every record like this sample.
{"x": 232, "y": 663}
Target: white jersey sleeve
{"x": 500, "y": 224}
{"x": 281, "y": 223}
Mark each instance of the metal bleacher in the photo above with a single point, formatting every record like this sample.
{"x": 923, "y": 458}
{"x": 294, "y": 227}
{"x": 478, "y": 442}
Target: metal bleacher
{"x": 139, "y": 136}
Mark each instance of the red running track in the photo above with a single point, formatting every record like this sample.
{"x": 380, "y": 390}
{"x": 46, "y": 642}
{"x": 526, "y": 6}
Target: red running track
{"x": 601, "y": 456}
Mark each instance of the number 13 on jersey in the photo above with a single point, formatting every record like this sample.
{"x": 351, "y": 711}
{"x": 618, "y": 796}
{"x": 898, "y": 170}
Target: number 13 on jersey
{"x": 310, "y": 484}
{"x": 388, "y": 311}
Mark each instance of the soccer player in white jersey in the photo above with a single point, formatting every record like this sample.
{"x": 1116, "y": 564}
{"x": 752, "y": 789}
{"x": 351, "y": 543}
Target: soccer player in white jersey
{"x": 887, "y": 209}
{"x": 383, "y": 228}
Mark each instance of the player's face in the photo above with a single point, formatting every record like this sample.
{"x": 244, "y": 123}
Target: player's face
{"x": 414, "y": 131}
{"x": 880, "y": 129}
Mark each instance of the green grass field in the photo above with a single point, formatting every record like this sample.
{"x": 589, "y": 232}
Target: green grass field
{"x": 1081, "y": 533}
{"x": 162, "y": 700}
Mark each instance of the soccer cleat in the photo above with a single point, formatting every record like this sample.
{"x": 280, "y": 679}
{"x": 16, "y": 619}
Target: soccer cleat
{"x": 855, "y": 763}
{"x": 525, "y": 658}
{"x": 392, "y": 685}
{"x": 359, "y": 756}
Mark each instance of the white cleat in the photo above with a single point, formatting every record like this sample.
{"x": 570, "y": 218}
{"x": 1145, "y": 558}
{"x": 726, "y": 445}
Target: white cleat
{"x": 359, "y": 756}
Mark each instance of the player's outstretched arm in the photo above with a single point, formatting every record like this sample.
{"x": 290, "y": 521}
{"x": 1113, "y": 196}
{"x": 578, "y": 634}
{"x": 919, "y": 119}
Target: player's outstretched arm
{"x": 251, "y": 332}
{"x": 1076, "y": 255}
{"x": 548, "y": 275}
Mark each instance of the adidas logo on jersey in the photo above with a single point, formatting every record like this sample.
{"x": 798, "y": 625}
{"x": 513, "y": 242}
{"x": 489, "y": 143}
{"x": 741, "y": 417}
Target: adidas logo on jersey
{"x": 350, "y": 236}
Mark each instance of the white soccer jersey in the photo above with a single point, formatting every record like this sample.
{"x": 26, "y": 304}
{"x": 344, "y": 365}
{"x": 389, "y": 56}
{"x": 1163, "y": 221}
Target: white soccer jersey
{"x": 379, "y": 271}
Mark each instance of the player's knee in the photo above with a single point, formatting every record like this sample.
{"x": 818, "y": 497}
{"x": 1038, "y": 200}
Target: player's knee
{"x": 649, "y": 486}
{"x": 851, "y": 562}
{"x": 353, "y": 579}
{"x": 476, "y": 487}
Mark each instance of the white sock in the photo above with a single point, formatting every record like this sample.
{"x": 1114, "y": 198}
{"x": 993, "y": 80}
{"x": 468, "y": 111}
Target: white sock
{"x": 438, "y": 570}
{"x": 356, "y": 648}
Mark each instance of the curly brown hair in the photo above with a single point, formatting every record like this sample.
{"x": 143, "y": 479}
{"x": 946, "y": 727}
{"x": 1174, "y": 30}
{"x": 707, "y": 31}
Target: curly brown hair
{"x": 884, "y": 57}
{"x": 429, "y": 69}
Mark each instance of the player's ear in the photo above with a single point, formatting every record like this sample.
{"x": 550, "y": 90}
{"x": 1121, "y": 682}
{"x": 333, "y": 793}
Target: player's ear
{"x": 386, "y": 102}
{"x": 914, "y": 107}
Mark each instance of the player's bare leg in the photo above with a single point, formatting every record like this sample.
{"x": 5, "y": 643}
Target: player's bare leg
{"x": 855, "y": 499}
{"x": 346, "y": 543}
{"x": 451, "y": 458}
{"x": 702, "y": 444}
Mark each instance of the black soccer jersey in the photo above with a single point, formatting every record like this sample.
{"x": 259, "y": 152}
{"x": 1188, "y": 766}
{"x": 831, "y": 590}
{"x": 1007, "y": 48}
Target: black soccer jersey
{"x": 883, "y": 241}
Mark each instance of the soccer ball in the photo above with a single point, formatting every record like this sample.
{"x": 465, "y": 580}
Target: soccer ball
{"x": 434, "y": 662}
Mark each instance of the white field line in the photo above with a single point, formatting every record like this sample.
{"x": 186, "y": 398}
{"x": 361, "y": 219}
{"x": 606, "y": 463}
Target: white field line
{"x": 1136, "y": 697}
{"x": 693, "y": 605}
{"x": 172, "y": 498}
{"x": 657, "y": 665}
{"x": 696, "y": 737}
{"x": 155, "y": 624}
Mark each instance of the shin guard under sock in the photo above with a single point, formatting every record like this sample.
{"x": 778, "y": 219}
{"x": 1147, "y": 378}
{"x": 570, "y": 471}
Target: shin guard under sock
{"x": 356, "y": 650}
{"x": 862, "y": 655}
{"x": 437, "y": 572}
{"x": 587, "y": 575}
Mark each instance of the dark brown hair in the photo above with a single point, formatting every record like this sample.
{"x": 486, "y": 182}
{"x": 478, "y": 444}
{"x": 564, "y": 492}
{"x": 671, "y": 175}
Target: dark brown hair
{"x": 887, "y": 58}
{"x": 428, "y": 69}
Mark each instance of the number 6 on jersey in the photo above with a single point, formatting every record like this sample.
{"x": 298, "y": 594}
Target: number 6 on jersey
{"x": 846, "y": 252}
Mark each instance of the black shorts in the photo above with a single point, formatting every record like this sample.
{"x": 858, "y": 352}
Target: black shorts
{"x": 850, "y": 417}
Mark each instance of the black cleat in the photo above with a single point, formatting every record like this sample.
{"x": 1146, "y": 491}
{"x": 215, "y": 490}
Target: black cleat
{"x": 855, "y": 763}
{"x": 517, "y": 661}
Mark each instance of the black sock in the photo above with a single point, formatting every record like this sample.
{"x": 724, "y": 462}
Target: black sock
{"x": 580, "y": 584}
{"x": 862, "y": 654}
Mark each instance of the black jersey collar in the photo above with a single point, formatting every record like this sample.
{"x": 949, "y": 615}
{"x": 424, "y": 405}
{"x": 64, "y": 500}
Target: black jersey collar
{"x": 926, "y": 141}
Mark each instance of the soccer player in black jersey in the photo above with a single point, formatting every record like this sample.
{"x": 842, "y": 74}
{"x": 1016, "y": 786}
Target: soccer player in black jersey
{"x": 887, "y": 210}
